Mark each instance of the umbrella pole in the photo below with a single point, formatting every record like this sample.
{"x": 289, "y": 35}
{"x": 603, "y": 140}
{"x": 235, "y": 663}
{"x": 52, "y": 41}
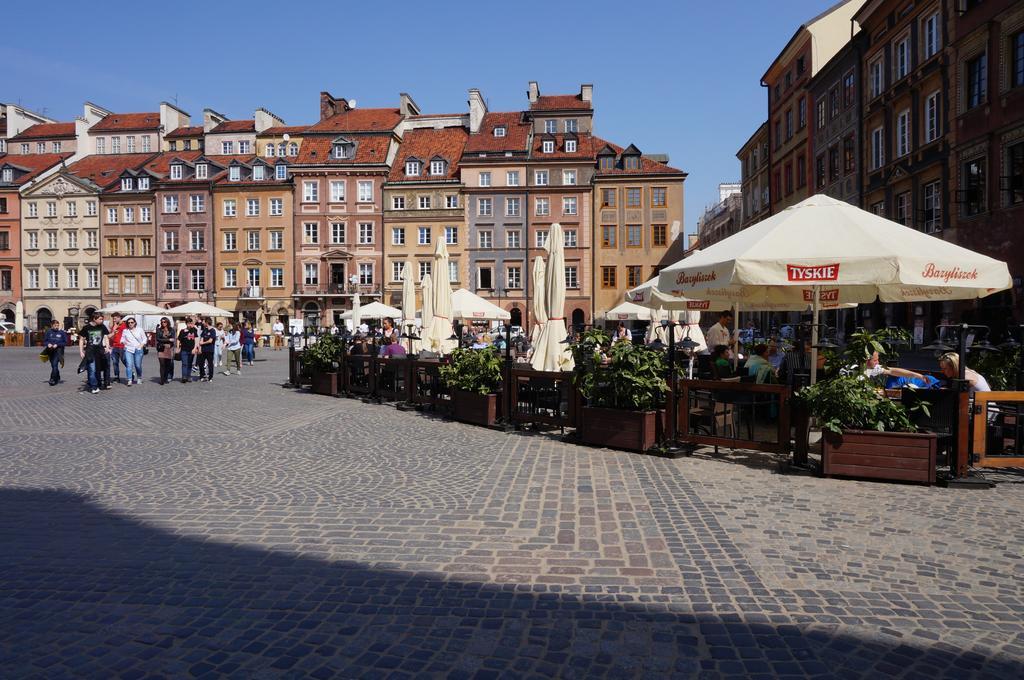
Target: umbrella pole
{"x": 736, "y": 336}
{"x": 814, "y": 335}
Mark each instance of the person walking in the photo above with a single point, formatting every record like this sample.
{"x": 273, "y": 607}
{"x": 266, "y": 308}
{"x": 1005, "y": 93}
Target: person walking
{"x": 207, "y": 346}
{"x": 134, "y": 340}
{"x": 187, "y": 349}
{"x": 165, "y": 350}
{"x": 233, "y": 344}
{"x": 93, "y": 346}
{"x": 278, "y": 331}
{"x": 248, "y": 343}
{"x": 55, "y": 340}
{"x": 218, "y": 348}
{"x": 117, "y": 354}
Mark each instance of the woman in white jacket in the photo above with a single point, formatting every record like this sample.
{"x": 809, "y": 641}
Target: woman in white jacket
{"x": 134, "y": 339}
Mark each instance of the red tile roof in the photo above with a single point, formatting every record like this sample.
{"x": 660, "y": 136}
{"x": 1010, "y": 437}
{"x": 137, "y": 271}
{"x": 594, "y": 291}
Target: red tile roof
{"x": 105, "y": 169}
{"x": 285, "y": 129}
{"x": 558, "y": 102}
{"x": 128, "y": 122}
{"x": 585, "y": 148}
{"x": 360, "y": 120}
{"x": 45, "y": 131}
{"x": 647, "y": 166}
{"x": 161, "y": 163}
{"x": 516, "y": 133}
{"x": 193, "y": 131}
{"x": 426, "y": 144}
{"x": 369, "y": 149}
{"x": 35, "y": 164}
{"x": 234, "y": 126}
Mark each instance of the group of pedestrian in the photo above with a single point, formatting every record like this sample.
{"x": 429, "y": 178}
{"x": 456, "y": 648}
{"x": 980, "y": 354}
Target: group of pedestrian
{"x": 204, "y": 346}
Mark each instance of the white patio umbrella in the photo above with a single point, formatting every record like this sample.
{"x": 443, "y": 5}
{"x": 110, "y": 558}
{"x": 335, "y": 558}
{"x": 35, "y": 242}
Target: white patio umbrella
{"x": 827, "y": 252}
{"x": 438, "y": 336}
{"x": 550, "y": 352}
{"x": 131, "y": 307}
{"x": 374, "y": 310}
{"x": 408, "y": 295}
{"x": 355, "y": 313}
{"x": 193, "y": 308}
{"x": 427, "y": 291}
{"x": 540, "y": 312}
{"x": 627, "y": 311}
{"x": 467, "y": 305}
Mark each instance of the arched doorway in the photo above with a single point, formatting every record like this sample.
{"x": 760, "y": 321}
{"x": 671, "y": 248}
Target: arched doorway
{"x": 44, "y": 317}
{"x": 578, "y": 318}
{"x": 7, "y": 314}
{"x": 517, "y": 317}
{"x": 311, "y": 315}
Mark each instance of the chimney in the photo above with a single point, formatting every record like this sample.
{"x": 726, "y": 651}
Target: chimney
{"x": 330, "y": 105}
{"x": 265, "y": 119}
{"x": 533, "y": 92}
{"x": 406, "y": 106}
{"x": 587, "y": 92}
{"x": 212, "y": 119}
{"x": 172, "y": 118}
{"x": 477, "y": 109}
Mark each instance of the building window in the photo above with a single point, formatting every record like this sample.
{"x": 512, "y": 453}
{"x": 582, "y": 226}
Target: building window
{"x": 252, "y": 207}
{"x": 70, "y": 209}
{"x": 931, "y": 35}
{"x": 196, "y": 240}
{"x": 977, "y": 80}
{"x": 608, "y": 277}
{"x": 819, "y": 172}
{"x": 230, "y": 207}
{"x": 633, "y": 197}
{"x": 281, "y": 171}
{"x": 849, "y": 156}
{"x": 547, "y": 146}
{"x": 111, "y": 214}
{"x": 365, "y": 233}
{"x": 451, "y": 235}
{"x": 451, "y": 201}
{"x": 876, "y": 73}
{"x": 512, "y": 207}
{"x": 878, "y": 208}
{"x": 513, "y": 278}
{"x": 257, "y": 173}
{"x": 129, "y": 247}
{"x": 608, "y": 197}
{"x": 230, "y": 241}
{"x": 903, "y": 133}
{"x": 570, "y": 146}
{"x": 33, "y": 278}
{"x": 129, "y": 285}
{"x": 833, "y": 103}
{"x": 484, "y": 278}
{"x": 147, "y": 246}
{"x": 311, "y": 274}
{"x": 801, "y": 115}
{"x": 789, "y": 124}
{"x": 365, "y": 191}
{"x": 485, "y": 179}
{"x": 485, "y": 238}
{"x": 634, "y": 236}
{"x": 72, "y": 274}
{"x": 227, "y": 148}
{"x": 973, "y": 183}
{"x": 145, "y": 281}
{"x": 71, "y": 235}
{"x": 903, "y": 208}
{"x": 571, "y": 125}
{"x": 252, "y": 275}
{"x": 512, "y": 178}
{"x": 901, "y": 59}
{"x": 659, "y": 235}
{"x": 499, "y": 131}
{"x": 540, "y": 178}
{"x": 572, "y": 276}
{"x": 311, "y": 233}
{"x": 115, "y": 145}
{"x": 398, "y": 202}
{"x": 337, "y": 233}
{"x": 396, "y": 269}
{"x": 513, "y": 238}
{"x": 172, "y": 279}
{"x": 606, "y": 163}
{"x": 932, "y": 196}
{"x": 634, "y": 276}
{"x": 252, "y": 240}
{"x": 244, "y": 147}
{"x": 569, "y": 205}
{"x": 113, "y": 285}
{"x": 170, "y": 204}
{"x": 92, "y": 275}
{"x": 801, "y": 171}
{"x": 658, "y": 197}
{"x": 230, "y": 277}
{"x": 819, "y": 113}
{"x": 569, "y": 177}
{"x": 849, "y": 90}
{"x": 276, "y": 206}
{"x": 424, "y": 202}
{"x": 112, "y": 247}
{"x": 551, "y": 126}
{"x": 423, "y": 236}
{"x": 931, "y": 118}
{"x": 310, "y": 192}
{"x": 569, "y": 238}
{"x": 424, "y": 268}
{"x": 197, "y": 277}
{"x": 276, "y": 277}
{"x": 1017, "y": 60}
{"x": 877, "y": 148}
{"x": 126, "y": 183}
{"x": 540, "y": 238}
{"x": 270, "y": 150}
{"x": 542, "y": 206}
{"x": 366, "y": 274}
{"x": 1015, "y": 173}
{"x": 176, "y": 171}
{"x": 398, "y": 236}
{"x": 202, "y": 171}
{"x": 412, "y": 168}
{"x": 92, "y": 241}
{"x": 277, "y": 240}
{"x": 484, "y": 207}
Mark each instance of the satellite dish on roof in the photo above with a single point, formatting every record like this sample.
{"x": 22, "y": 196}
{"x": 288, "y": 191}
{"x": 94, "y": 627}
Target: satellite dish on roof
{"x": 351, "y": 103}
{"x": 286, "y": 136}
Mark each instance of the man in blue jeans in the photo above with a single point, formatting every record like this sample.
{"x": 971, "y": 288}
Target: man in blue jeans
{"x": 55, "y": 341}
{"x": 93, "y": 346}
{"x": 186, "y": 348}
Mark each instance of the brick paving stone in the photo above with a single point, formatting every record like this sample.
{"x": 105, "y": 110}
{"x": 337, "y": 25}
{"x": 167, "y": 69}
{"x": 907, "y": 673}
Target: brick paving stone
{"x": 240, "y": 528}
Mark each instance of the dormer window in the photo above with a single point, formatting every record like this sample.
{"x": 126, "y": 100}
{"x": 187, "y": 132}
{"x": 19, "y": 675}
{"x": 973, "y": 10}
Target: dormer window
{"x": 281, "y": 171}
{"x": 607, "y": 163}
{"x": 548, "y": 146}
{"x": 412, "y": 168}
{"x": 234, "y": 173}
{"x": 126, "y": 184}
{"x": 176, "y": 171}
{"x": 437, "y": 167}
{"x": 499, "y": 131}
{"x": 632, "y": 162}
{"x": 143, "y": 184}
{"x": 202, "y": 171}
{"x": 8, "y": 175}
{"x": 257, "y": 172}
{"x": 338, "y": 150}
{"x": 570, "y": 146}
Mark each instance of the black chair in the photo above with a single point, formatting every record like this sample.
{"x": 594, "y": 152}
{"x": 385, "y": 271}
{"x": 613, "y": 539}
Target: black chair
{"x": 942, "y": 412}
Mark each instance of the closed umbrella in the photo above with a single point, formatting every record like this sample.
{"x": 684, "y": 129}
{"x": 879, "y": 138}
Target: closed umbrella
{"x": 355, "y": 316}
{"x": 408, "y": 295}
{"x": 427, "y": 291}
{"x": 825, "y": 252}
{"x": 551, "y": 353}
{"x": 540, "y": 312}
{"x": 438, "y": 337}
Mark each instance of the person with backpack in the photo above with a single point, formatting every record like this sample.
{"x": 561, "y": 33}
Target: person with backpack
{"x": 165, "y": 350}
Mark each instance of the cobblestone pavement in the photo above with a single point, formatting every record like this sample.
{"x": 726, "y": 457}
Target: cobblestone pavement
{"x": 239, "y": 528}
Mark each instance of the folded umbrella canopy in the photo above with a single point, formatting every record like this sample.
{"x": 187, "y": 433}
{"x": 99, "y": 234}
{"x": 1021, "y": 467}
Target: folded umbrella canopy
{"x": 439, "y": 334}
{"x": 540, "y": 312}
{"x": 408, "y": 295}
{"x": 551, "y": 353}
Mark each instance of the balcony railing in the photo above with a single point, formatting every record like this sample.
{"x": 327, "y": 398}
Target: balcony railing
{"x": 251, "y": 292}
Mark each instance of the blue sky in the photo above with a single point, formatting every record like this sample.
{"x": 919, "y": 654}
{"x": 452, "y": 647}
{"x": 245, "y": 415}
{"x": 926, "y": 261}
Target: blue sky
{"x": 672, "y": 77}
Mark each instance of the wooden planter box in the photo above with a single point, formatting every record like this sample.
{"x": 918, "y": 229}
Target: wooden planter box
{"x": 616, "y": 429}
{"x": 325, "y": 383}
{"x": 902, "y": 456}
{"x": 473, "y": 408}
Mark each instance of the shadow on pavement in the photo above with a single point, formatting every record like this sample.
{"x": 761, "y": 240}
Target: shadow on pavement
{"x": 85, "y": 592}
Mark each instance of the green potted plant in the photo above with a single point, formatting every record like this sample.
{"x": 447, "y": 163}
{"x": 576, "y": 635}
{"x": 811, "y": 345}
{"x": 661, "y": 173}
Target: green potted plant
{"x": 623, "y": 387}
{"x": 321, "y": 360}
{"x": 474, "y": 377}
{"x": 864, "y": 434}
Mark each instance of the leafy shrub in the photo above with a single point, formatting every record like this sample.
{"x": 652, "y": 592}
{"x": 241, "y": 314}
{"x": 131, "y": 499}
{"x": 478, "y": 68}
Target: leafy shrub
{"x": 852, "y": 403}
{"x": 633, "y": 378}
{"x": 322, "y": 356}
{"x": 473, "y": 370}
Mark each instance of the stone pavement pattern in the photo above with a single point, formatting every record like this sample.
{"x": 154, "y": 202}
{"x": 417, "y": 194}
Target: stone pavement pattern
{"x": 242, "y": 529}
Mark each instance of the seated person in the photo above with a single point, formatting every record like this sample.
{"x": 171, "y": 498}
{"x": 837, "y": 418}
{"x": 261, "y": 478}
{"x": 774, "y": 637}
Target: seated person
{"x": 721, "y": 362}
{"x": 799, "y": 362}
{"x": 895, "y": 377}
{"x": 949, "y": 363}
{"x": 392, "y": 348}
{"x": 758, "y": 365}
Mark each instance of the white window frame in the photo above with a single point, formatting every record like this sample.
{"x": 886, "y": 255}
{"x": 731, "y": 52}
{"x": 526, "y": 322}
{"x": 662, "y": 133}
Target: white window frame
{"x": 230, "y": 241}
{"x": 127, "y": 184}
{"x": 397, "y": 268}
{"x": 366, "y": 273}
{"x": 902, "y": 133}
{"x": 551, "y": 126}
{"x": 512, "y": 178}
{"x": 542, "y": 206}
{"x": 423, "y": 236}
{"x": 72, "y": 277}
{"x": 170, "y": 204}
{"x": 485, "y": 179}
{"x": 172, "y": 279}
{"x": 931, "y": 117}
{"x": 338, "y": 190}
{"x": 570, "y": 145}
{"x": 258, "y": 173}
{"x": 424, "y": 268}
{"x": 423, "y": 202}
{"x": 451, "y": 236}
{"x": 276, "y": 206}
{"x": 365, "y": 188}
{"x": 310, "y": 191}
{"x": 931, "y": 197}
{"x": 901, "y": 58}
{"x": 451, "y": 201}
{"x": 569, "y": 178}
{"x": 513, "y": 207}
{"x": 570, "y": 205}
{"x": 230, "y": 207}
{"x": 547, "y": 146}
{"x": 243, "y": 146}
{"x": 540, "y": 238}
{"x": 197, "y": 279}
{"x": 202, "y": 171}
{"x": 280, "y": 171}
{"x": 398, "y": 202}
{"x": 196, "y": 240}
{"x": 513, "y": 238}
{"x": 876, "y": 76}
{"x": 412, "y": 168}
{"x": 541, "y": 178}
{"x": 499, "y": 131}
{"x": 176, "y": 171}
{"x": 143, "y": 183}
{"x": 230, "y": 277}
{"x": 252, "y": 207}
{"x": 398, "y": 236}
{"x": 485, "y": 207}
{"x": 338, "y": 232}
{"x": 931, "y": 35}
{"x": 111, "y": 215}
{"x": 252, "y": 240}
{"x": 485, "y": 238}
{"x": 276, "y": 240}
{"x": 227, "y": 148}
{"x": 877, "y": 148}
{"x": 437, "y": 167}
{"x": 365, "y": 233}
{"x": 311, "y": 233}
{"x": 570, "y": 238}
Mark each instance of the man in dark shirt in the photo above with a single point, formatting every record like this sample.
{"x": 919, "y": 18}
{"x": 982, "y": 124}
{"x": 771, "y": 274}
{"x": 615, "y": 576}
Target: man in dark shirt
{"x": 186, "y": 348}
{"x": 207, "y": 342}
{"x": 93, "y": 346}
{"x": 55, "y": 341}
